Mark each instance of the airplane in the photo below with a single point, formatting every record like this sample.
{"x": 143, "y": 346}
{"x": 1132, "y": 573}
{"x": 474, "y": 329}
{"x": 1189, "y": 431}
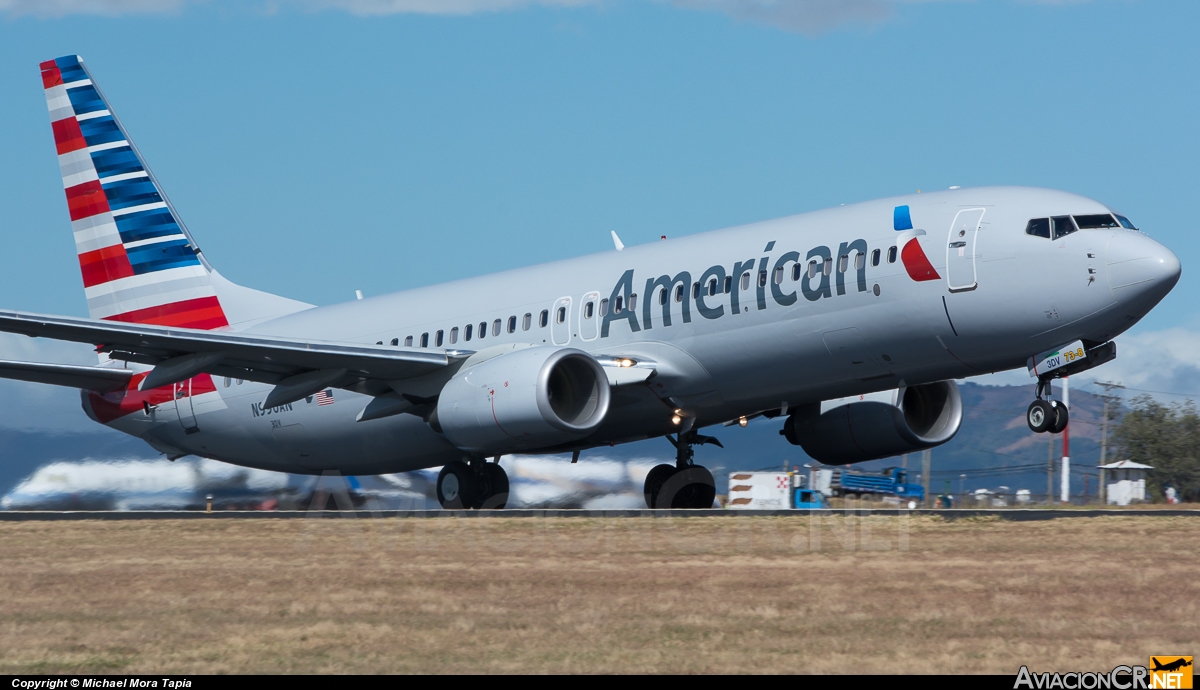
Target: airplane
{"x": 848, "y": 324}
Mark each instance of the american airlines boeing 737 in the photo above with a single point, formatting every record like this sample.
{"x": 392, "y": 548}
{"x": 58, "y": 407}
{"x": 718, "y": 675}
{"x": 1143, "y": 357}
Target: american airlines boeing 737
{"x": 847, "y": 325}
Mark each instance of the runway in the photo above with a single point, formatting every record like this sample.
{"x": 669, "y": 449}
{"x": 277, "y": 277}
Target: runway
{"x": 1008, "y": 514}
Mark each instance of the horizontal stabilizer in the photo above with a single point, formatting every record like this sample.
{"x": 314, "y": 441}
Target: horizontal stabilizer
{"x": 92, "y": 378}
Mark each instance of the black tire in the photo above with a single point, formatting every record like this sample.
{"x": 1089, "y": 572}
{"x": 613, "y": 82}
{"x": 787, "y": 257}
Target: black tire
{"x": 1061, "y": 417}
{"x": 493, "y": 495}
{"x": 456, "y": 486}
{"x": 1039, "y": 416}
{"x": 654, "y": 483}
{"x": 691, "y": 487}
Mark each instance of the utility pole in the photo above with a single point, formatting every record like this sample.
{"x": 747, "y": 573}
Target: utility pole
{"x": 926, "y": 460}
{"x": 1108, "y": 397}
{"x": 1065, "y": 493}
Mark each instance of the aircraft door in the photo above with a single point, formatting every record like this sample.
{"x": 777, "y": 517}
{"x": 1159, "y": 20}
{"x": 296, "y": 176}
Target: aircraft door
{"x": 960, "y": 250}
{"x": 183, "y": 406}
{"x": 560, "y": 321}
{"x": 589, "y": 316}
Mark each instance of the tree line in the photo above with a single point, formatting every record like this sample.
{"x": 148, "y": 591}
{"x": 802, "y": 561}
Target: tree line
{"x": 1166, "y": 437}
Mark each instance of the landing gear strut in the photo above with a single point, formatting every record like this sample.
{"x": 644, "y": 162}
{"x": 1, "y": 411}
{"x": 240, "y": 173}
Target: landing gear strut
{"x": 685, "y": 484}
{"x": 1044, "y": 414}
{"x": 479, "y": 484}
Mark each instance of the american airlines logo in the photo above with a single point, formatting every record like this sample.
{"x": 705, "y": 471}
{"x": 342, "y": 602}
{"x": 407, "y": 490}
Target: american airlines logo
{"x": 818, "y": 281}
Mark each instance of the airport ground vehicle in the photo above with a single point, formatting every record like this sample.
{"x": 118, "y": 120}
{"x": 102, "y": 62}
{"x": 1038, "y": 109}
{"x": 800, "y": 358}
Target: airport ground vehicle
{"x": 849, "y": 324}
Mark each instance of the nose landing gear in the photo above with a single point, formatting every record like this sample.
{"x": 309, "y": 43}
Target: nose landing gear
{"x": 685, "y": 484}
{"x": 1044, "y": 414}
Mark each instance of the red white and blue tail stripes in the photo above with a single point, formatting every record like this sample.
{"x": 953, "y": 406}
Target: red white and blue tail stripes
{"x": 138, "y": 263}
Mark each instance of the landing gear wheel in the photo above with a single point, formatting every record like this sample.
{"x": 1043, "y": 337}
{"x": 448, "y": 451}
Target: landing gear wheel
{"x": 654, "y": 484}
{"x": 1040, "y": 416}
{"x": 1061, "y": 416}
{"x": 493, "y": 494}
{"x": 690, "y": 487}
{"x": 456, "y": 486}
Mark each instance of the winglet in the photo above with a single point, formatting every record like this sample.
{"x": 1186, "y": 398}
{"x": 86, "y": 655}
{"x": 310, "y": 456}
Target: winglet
{"x": 617, "y": 241}
{"x": 901, "y": 219}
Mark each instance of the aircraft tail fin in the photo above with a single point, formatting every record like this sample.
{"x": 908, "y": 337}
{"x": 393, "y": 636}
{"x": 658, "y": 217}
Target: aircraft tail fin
{"x": 139, "y": 262}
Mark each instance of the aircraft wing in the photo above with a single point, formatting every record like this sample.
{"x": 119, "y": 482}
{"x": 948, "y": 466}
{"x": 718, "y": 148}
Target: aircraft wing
{"x": 180, "y": 353}
{"x": 91, "y": 378}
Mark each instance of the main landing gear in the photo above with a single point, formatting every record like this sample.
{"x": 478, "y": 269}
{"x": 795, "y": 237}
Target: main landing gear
{"x": 1044, "y": 414}
{"x": 479, "y": 484}
{"x": 684, "y": 484}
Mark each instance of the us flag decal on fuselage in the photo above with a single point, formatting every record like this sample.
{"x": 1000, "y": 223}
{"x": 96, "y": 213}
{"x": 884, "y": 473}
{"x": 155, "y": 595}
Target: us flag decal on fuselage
{"x": 325, "y": 397}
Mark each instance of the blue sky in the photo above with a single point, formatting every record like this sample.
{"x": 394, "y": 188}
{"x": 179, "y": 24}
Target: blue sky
{"x": 318, "y": 147}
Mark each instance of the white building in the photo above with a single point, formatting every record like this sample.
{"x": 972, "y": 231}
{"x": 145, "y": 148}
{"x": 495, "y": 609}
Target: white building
{"x": 1124, "y": 482}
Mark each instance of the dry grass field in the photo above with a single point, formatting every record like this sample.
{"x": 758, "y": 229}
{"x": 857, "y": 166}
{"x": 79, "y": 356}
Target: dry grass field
{"x": 692, "y": 595}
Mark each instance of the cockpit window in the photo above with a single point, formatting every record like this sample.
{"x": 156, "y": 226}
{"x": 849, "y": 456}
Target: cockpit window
{"x": 1125, "y": 223}
{"x": 1038, "y": 227}
{"x": 1100, "y": 220}
{"x": 1062, "y": 226}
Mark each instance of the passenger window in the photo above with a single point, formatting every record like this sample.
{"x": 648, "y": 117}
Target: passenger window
{"x": 238, "y": 381}
{"x": 860, "y": 261}
{"x": 712, "y": 287}
{"x": 633, "y": 302}
{"x": 1100, "y": 220}
{"x": 496, "y": 327}
{"x": 875, "y": 257}
{"x": 843, "y": 263}
{"x": 1038, "y": 227}
{"x": 728, "y": 284}
{"x": 695, "y": 290}
{"x": 762, "y": 278}
{"x": 745, "y": 281}
{"x": 779, "y": 275}
{"x": 603, "y": 307}
{"x": 812, "y": 269}
{"x": 526, "y": 322}
{"x": 587, "y": 310}
{"x": 512, "y": 324}
{"x": 796, "y": 270}
{"x": 482, "y": 330}
{"x": 678, "y": 293}
{"x": 1063, "y": 225}
{"x": 408, "y": 341}
{"x": 467, "y": 333}
{"x": 437, "y": 339}
{"x": 454, "y": 335}
{"x": 618, "y": 304}
{"x": 228, "y": 381}
{"x": 1126, "y": 223}
{"x": 424, "y": 340}
{"x": 544, "y": 318}
{"x": 892, "y": 255}
{"x": 395, "y": 341}
{"x": 662, "y": 299}
{"x": 827, "y": 268}
{"x": 562, "y": 315}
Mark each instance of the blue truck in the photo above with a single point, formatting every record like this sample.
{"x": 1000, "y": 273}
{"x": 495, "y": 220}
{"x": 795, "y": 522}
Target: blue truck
{"x": 889, "y": 482}
{"x": 808, "y": 499}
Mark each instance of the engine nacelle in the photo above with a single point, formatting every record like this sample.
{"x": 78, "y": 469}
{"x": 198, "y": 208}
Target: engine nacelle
{"x": 903, "y": 421}
{"x": 524, "y": 400}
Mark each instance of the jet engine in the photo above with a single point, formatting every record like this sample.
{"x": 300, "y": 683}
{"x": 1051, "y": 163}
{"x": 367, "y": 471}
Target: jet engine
{"x": 898, "y": 421}
{"x": 524, "y": 400}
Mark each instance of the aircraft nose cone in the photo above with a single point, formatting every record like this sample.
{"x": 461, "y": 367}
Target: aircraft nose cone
{"x": 1140, "y": 268}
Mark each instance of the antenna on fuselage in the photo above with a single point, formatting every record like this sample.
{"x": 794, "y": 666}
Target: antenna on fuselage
{"x": 617, "y": 241}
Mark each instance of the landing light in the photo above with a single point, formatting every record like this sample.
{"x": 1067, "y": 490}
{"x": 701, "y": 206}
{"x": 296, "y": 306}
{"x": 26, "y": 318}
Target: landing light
{"x": 676, "y": 419}
{"x": 625, "y": 362}
{"x": 742, "y": 422}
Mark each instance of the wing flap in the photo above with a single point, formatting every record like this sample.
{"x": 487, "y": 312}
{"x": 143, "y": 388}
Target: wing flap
{"x": 263, "y": 358}
{"x": 101, "y": 379}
